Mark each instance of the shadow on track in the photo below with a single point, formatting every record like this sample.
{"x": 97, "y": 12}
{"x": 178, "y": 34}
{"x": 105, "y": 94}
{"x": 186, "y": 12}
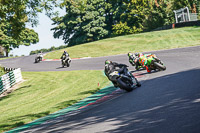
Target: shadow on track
{"x": 164, "y": 104}
{"x": 60, "y": 67}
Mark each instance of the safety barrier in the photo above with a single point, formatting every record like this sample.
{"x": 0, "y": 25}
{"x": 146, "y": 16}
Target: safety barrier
{"x": 9, "y": 79}
{"x": 178, "y": 25}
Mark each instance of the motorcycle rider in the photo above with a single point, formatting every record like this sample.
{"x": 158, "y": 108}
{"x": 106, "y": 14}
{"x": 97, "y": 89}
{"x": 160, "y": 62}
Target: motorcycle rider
{"x": 141, "y": 61}
{"x": 40, "y": 56}
{"x": 111, "y": 71}
{"x": 134, "y": 60}
{"x": 64, "y": 56}
{"x": 131, "y": 58}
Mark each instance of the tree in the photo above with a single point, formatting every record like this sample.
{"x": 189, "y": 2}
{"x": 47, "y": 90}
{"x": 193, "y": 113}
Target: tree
{"x": 26, "y": 37}
{"x": 84, "y": 22}
{"x": 131, "y": 17}
{"x": 14, "y": 16}
{"x": 160, "y": 13}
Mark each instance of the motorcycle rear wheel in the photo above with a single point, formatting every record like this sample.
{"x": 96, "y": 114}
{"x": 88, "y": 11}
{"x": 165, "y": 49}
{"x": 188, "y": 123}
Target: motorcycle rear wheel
{"x": 68, "y": 63}
{"x": 126, "y": 85}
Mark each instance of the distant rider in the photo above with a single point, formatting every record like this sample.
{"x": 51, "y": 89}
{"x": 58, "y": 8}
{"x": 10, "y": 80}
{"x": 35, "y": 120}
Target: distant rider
{"x": 64, "y": 56}
{"x": 131, "y": 59}
{"x": 40, "y": 55}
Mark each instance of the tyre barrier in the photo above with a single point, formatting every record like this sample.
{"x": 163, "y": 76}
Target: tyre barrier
{"x": 9, "y": 79}
{"x": 7, "y": 69}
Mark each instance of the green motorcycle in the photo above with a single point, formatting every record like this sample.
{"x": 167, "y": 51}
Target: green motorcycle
{"x": 151, "y": 61}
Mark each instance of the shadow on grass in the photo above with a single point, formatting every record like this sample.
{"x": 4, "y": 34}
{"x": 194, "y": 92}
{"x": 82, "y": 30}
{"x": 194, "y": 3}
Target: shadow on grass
{"x": 18, "y": 121}
{"x": 4, "y": 97}
{"x": 89, "y": 92}
{"x": 65, "y": 104}
{"x": 11, "y": 92}
{"x": 26, "y": 86}
{"x": 5, "y": 127}
{"x": 21, "y": 90}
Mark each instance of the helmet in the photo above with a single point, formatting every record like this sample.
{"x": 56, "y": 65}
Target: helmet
{"x": 140, "y": 54}
{"x": 65, "y": 52}
{"x": 107, "y": 62}
{"x": 137, "y": 54}
{"x": 129, "y": 54}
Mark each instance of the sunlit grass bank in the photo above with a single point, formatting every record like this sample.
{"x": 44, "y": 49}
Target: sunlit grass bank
{"x": 43, "y": 93}
{"x": 166, "y": 39}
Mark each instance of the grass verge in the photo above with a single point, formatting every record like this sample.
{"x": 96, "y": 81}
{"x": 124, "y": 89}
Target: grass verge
{"x": 158, "y": 40}
{"x": 7, "y": 58}
{"x": 44, "y": 93}
{"x": 2, "y": 72}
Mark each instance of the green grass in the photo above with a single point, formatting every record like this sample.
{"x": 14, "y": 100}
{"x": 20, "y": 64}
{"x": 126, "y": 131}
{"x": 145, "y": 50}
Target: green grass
{"x": 43, "y": 93}
{"x": 158, "y": 40}
{"x": 2, "y": 72}
{"x": 7, "y": 58}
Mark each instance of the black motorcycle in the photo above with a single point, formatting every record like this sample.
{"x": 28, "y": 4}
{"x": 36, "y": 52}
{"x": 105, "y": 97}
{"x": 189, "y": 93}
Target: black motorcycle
{"x": 66, "y": 61}
{"x": 38, "y": 59}
{"x": 125, "y": 80}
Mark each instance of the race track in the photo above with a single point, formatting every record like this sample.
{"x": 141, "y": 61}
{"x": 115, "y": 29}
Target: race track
{"x": 167, "y": 102}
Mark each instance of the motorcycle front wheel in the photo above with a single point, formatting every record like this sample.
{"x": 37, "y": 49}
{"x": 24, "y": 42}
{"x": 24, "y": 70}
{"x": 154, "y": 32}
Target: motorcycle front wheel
{"x": 63, "y": 64}
{"x": 36, "y": 60}
{"x": 138, "y": 84}
{"x": 159, "y": 66}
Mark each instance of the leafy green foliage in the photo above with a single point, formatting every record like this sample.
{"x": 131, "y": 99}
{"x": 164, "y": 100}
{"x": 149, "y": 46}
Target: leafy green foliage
{"x": 8, "y": 41}
{"x": 14, "y": 16}
{"x": 84, "y": 22}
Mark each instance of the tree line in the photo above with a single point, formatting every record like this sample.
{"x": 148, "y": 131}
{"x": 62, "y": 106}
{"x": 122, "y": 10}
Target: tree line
{"x": 48, "y": 49}
{"x": 85, "y": 20}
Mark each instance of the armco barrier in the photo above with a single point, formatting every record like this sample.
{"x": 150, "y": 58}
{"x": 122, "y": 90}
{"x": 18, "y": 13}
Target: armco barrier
{"x": 178, "y": 25}
{"x": 10, "y": 79}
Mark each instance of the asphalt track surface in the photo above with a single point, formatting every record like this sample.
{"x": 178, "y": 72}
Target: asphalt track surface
{"x": 167, "y": 102}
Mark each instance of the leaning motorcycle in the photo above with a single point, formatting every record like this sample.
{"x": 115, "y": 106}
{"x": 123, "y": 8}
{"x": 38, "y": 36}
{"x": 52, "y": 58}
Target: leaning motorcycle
{"x": 66, "y": 62}
{"x": 155, "y": 63}
{"x": 38, "y": 59}
{"x": 124, "y": 81}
